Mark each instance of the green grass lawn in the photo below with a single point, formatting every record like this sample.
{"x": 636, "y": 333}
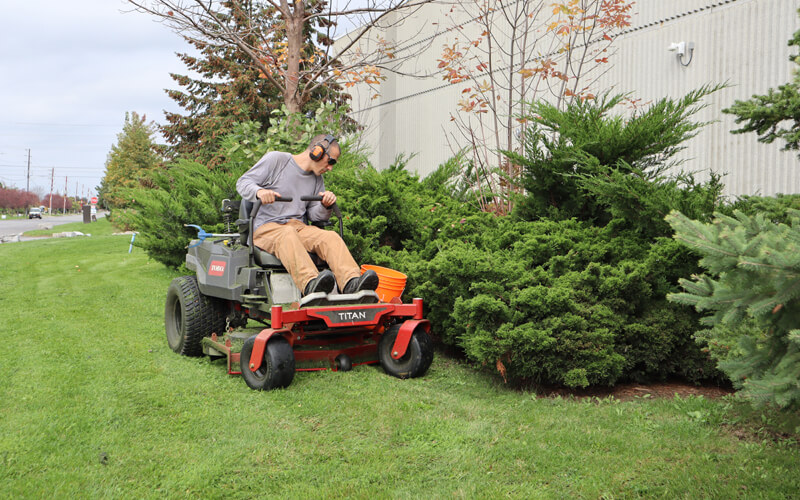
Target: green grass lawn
{"x": 95, "y": 404}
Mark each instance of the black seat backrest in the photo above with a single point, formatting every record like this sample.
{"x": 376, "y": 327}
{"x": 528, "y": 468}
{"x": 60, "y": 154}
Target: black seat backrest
{"x": 244, "y": 223}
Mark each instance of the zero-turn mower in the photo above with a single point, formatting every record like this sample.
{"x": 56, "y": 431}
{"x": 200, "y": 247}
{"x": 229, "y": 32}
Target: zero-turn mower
{"x": 236, "y": 284}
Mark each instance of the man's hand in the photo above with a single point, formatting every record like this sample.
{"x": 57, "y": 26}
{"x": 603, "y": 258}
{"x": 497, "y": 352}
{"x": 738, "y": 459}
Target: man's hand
{"x": 328, "y": 198}
{"x": 267, "y": 196}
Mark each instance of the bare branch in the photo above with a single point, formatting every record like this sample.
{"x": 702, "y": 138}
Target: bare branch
{"x": 401, "y": 5}
{"x": 285, "y": 66}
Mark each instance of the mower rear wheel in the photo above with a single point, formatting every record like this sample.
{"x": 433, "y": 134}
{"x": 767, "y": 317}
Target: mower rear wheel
{"x": 277, "y": 367}
{"x": 417, "y": 359}
{"x": 189, "y": 316}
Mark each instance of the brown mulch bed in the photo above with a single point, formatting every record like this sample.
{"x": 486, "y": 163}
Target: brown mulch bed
{"x": 626, "y": 392}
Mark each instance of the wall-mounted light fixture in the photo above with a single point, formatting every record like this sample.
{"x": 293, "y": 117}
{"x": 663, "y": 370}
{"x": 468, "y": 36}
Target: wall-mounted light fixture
{"x": 680, "y": 49}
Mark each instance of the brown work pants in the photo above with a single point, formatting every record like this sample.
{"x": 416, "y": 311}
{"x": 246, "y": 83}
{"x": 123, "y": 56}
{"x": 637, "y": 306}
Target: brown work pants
{"x": 291, "y": 243}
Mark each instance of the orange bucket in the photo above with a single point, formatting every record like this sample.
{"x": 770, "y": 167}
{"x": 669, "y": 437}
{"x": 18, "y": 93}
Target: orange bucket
{"x": 391, "y": 283}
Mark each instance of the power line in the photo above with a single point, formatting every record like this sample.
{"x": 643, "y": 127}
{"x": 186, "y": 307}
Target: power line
{"x": 51, "y": 134}
{"x": 52, "y": 166}
{"x": 46, "y": 171}
{"x": 34, "y": 124}
{"x": 45, "y": 175}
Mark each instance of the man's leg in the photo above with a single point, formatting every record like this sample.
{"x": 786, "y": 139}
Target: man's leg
{"x": 282, "y": 240}
{"x": 330, "y": 248}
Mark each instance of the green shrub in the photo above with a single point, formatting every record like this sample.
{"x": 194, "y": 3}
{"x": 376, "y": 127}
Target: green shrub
{"x": 775, "y": 208}
{"x": 586, "y": 163}
{"x": 392, "y": 211}
{"x": 484, "y": 280}
{"x": 242, "y": 148}
{"x": 563, "y": 302}
{"x": 185, "y": 192}
{"x": 578, "y": 296}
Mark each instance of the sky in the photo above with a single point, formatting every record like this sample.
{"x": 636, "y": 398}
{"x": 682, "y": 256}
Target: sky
{"x": 69, "y": 71}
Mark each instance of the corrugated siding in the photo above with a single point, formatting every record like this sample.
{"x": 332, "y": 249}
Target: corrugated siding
{"x": 741, "y": 42}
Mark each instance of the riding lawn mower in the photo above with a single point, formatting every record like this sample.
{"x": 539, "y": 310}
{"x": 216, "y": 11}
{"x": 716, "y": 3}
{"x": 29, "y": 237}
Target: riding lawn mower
{"x": 236, "y": 285}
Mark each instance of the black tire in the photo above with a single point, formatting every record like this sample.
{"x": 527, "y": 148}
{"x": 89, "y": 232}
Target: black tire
{"x": 417, "y": 359}
{"x": 189, "y": 316}
{"x": 343, "y": 363}
{"x": 277, "y": 367}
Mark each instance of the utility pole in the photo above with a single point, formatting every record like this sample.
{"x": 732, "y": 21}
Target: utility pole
{"x": 28, "y": 185}
{"x": 52, "y": 178}
{"x": 66, "y": 181}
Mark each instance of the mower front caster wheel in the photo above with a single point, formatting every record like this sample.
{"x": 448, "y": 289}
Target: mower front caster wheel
{"x": 417, "y": 359}
{"x": 343, "y": 363}
{"x": 277, "y": 367}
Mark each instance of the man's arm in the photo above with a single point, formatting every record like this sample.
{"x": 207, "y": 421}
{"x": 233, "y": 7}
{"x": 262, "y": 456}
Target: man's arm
{"x": 317, "y": 211}
{"x": 261, "y": 176}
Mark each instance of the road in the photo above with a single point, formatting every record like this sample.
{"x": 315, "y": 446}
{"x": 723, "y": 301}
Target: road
{"x": 10, "y": 227}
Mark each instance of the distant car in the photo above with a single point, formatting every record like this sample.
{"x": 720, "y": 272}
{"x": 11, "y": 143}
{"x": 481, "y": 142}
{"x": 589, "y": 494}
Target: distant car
{"x": 35, "y": 213}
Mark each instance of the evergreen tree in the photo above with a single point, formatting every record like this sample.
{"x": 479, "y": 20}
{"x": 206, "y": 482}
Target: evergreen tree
{"x": 129, "y": 160}
{"x": 752, "y": 288}
{"x": 229, "y": 90}
{"x": 775, "y": 115}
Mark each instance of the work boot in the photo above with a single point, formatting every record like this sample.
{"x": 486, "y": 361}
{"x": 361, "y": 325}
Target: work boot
{"x": 367, "y": 281}
{"x": 324, "y": 282}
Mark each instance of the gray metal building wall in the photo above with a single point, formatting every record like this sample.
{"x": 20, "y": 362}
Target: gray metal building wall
{"x": 741, "y": 42}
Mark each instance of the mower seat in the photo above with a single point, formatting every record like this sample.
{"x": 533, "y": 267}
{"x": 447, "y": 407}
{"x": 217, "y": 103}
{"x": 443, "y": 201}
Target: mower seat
{"x": 265, "y": 259}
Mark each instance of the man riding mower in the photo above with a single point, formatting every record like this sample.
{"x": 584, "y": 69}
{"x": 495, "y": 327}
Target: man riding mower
{"x": 316, "y": 308}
